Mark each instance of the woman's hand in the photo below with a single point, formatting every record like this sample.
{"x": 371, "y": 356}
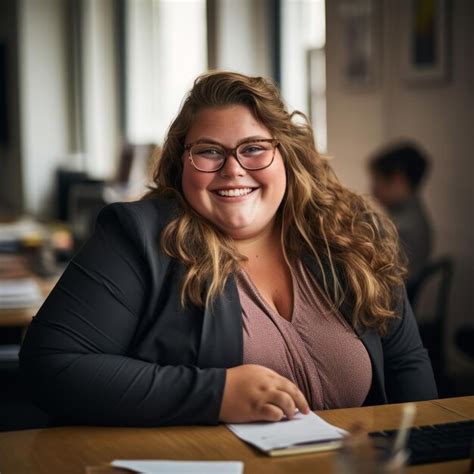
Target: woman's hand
{"x": 255, "y": 393}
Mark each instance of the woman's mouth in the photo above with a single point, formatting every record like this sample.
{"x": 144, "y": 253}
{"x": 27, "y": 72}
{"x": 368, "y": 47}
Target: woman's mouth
{"x": 235, "y": 192}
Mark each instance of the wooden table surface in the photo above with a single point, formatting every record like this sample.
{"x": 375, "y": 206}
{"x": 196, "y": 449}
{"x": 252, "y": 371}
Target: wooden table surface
{"x": 86, "y": 449}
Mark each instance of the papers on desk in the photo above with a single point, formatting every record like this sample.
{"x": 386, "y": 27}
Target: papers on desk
{"x": 303, "y": 434}
{"x": 19, "y": 293}
{"x": 13, "y": 233}
{"x": 181, "y": 467}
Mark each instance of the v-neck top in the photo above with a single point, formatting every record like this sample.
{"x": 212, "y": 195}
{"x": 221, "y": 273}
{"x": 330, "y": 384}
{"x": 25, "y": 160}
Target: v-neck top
{"x": 317, "y": 349}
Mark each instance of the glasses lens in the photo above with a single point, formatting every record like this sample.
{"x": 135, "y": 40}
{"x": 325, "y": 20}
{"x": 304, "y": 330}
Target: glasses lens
{"x": 207, "y": 157}
{"x": 255, "y": 155}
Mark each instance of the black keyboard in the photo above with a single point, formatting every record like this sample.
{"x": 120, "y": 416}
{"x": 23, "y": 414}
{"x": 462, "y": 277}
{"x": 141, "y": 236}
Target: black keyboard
{"x": 435, "y": 443}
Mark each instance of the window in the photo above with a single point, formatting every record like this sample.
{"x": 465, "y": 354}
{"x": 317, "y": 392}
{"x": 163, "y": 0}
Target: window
{"x": 303, "y": 64}
{"x": 165, "y": 50}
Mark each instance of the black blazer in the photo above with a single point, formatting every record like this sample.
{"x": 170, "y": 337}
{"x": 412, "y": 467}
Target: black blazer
{"x": 112, "y": 344}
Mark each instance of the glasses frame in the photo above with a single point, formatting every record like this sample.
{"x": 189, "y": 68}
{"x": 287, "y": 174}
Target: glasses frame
{"x": 233, "y": 152}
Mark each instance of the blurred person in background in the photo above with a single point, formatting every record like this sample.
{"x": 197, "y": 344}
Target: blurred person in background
{"x": 397, "y": 173}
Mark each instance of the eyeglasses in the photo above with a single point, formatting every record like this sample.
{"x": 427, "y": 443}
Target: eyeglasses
{"x": 252, "y": 155}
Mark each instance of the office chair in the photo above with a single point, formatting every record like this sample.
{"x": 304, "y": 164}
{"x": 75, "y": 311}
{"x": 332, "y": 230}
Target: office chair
{"x": 433, "y": 329}
{"x": 86, "y": 201}
{"x": 88, "y": 197}
{"x": 464, "y": 340}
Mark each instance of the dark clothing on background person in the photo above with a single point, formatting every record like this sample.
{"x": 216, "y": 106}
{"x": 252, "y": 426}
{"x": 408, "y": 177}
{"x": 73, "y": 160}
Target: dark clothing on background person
{"x": 112, "y": 344}
{"x": 416, "y": 235}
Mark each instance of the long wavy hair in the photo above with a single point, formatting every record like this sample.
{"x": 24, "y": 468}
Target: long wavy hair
{"x": 355, "y": 247}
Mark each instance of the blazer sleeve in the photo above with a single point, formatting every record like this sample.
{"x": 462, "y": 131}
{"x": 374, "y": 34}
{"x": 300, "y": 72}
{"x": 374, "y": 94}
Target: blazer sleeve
{"x": 408, "y": 372}
{"x": 75, "y": 353}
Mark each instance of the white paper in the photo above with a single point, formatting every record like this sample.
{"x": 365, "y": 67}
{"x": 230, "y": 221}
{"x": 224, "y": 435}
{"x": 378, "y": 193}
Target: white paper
{"x": 19, "y": 293}
{"x": 301, "y": 429}
{"x": 181, "y": 467}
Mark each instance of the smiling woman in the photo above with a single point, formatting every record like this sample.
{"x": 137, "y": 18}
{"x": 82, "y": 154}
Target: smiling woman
{"x": 248, "y": 284}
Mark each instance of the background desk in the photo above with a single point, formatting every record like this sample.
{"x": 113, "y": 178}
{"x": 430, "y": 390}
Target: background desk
{"x": 21, "y": 317}
{"x": 16, "y": 408}
{"x": 72, "y": 449}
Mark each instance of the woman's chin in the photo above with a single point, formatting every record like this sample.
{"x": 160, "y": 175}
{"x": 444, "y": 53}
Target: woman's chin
{"x": 239, "y": 232}
{"x": 247, "y": 231}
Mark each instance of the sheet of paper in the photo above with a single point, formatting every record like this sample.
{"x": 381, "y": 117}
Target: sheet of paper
{"x": 19, "y": 293}
{"x": 181, "y": 467}
{"x": 301, "y": 429}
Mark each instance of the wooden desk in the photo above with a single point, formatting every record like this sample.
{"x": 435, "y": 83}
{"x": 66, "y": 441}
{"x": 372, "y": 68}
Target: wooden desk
{"x": 461, "y": 405}
{"x": 73, "y": 449}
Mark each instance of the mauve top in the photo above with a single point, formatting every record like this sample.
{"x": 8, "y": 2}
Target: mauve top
{"x": 317, "y": 350}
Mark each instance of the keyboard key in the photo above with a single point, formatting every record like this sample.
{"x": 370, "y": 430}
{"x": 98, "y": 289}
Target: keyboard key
{"x": 436, "y": 443}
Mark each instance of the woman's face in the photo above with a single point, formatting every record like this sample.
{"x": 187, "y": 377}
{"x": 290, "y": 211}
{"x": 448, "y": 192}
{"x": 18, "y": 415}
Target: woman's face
{"x": 252, "y": 208}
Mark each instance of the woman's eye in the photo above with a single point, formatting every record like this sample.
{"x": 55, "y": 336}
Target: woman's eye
{"x": 252, "y": 149}
{"x": 211, "y": 152}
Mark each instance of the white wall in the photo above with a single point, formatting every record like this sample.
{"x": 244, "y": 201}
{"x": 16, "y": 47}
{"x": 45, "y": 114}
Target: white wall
{"x": 437, "y": 116}
{"x": 43, "y": 91}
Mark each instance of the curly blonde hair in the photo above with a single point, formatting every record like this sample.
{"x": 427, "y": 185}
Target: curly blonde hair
{"x": 355, "y": 247}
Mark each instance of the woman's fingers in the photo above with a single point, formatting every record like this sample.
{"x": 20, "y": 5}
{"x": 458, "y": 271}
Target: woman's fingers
{"x": 284, "y": 402}
{"x": 271, "y": 412}
{"x": 300, "y": 400}
{"x": 296, "y": 394}
{"x": 253, "y": 393}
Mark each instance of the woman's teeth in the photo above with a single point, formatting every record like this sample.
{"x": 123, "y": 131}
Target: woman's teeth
{"x": 234, "y": 192}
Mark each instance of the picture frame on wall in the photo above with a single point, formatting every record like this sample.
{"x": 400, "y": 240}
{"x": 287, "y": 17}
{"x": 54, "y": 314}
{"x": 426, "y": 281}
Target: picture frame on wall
{"x": 360, "y": 28}
{"x": 425, "y": 42}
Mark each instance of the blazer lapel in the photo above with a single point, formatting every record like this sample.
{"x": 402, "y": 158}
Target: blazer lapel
{"x": 221, "y": 336}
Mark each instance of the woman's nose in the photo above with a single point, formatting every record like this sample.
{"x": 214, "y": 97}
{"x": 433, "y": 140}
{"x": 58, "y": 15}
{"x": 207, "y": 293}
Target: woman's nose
{"x": 232, "y": 167}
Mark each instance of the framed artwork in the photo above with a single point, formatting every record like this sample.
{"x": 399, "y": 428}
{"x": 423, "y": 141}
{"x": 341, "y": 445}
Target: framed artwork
{"x": 360, "y": 34}
{"x": 425, "y": 41}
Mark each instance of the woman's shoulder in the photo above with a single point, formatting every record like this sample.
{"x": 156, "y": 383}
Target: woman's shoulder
{"x": 141, "y": 220}
{"x": 149, "y": 213}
